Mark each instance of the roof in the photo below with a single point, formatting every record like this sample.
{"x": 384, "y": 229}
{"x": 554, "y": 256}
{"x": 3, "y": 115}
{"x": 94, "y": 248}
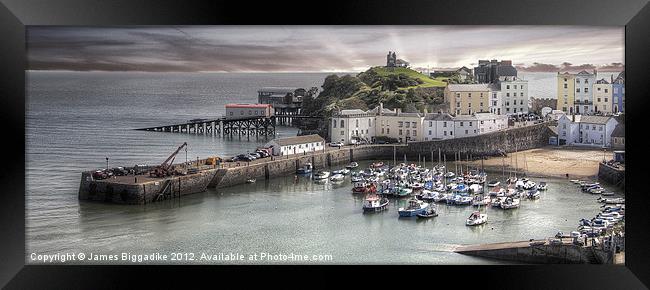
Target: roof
{"x": 619, "y": 131}
{"x": 298, "y": 140}
{"x": 468, "y": 87}
{"x": 409, "y": 115}
{"x": 438, "y": 117}
{"x": 488, "y": 116}
{"x": 383, "y": 111}
{"x": 584, "y": 73}
{"x": 593, "y": 119}
{"x": 506, "y": 70}
{"x": 278, "y": 90}
{"x": 602, "y": 81}
{"x": 351, "y": 112}
{"x": 465, "y": 118}
{"x": 254, "y": 106}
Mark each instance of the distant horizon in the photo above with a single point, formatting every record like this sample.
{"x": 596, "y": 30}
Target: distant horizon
{"x": 320, "y": 48}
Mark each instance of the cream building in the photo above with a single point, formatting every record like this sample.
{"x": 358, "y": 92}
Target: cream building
{"x": 565, "y": 92}
{"x": 466, "y": 99}
{"x": 603, "y": 97}
{"x": 514, "y": 96}
{"x": 350, "y": 126}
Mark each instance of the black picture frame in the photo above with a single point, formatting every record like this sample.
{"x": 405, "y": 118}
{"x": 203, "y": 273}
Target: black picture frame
{"x": 16, "y": 14}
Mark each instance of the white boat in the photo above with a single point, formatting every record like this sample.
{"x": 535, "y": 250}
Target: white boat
{"x": 542, "y": 186}
{"x": 374, "y": 203}
{"x": 607, "y": 193}
{"x": 496, "y": 202}
{"x": 619, "y": 200}
{"x": 476, "y": 218}
{"x": 356, "y": 178}
{"x": 414, "y": 208}
{"x": 510, "y": 203}
{"x": 476, "y": 189}
{"x": 252, "y": 180}
{"x": 533, "y": 194}
{"x": 450, "y": 174}
{"x": 337, "y": 177}
{"x": 321, "y": 175}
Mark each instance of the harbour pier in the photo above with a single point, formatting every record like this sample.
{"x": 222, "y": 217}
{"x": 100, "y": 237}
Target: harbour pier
{"x": 222, "y": 126}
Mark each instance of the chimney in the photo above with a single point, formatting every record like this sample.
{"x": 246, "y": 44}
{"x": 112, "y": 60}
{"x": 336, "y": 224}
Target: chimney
{"x": 398, "y": 110}
{"x": 612, "y": 78}
{"x": 381, "y": 108}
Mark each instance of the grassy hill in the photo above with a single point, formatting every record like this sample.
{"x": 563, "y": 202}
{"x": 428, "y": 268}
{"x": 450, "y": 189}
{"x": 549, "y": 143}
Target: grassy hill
{"x": 427, "y": 82}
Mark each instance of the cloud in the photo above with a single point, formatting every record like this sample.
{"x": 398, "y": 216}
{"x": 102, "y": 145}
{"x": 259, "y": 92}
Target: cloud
{"x": 314, "y": 48}
{"x": 566, "y": 66}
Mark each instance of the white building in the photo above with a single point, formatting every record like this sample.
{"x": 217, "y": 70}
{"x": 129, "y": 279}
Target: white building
{"x": 514, "y": 96}
{"x": 438, "y": 126}
{"x": 488, "y": 122}
{"x": 243, "y": 111}
{"x": 496, "y": 102}
{"x": 586, "y": 130}
{"x": 296, "y": 145}
{"x": 349, "y": 126}
{"x": 402, "y": 126}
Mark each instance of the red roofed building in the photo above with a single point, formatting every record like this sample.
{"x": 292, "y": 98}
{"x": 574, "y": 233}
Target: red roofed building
{"x": 243, "y": 111}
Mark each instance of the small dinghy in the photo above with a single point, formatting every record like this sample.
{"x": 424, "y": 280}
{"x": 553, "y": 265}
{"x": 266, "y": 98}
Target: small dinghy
{"x": 476, "y": 218}
{"x": 510, "y": 203}
{"x": 430, "y": 212}
{"x": 533, "y": 194}
{"x": 607, "y": 193}
{"x": 252, "y": 180}
{"x": 378, "y": 164}
{"x": 321, "y": 175}
{"x": 343, "y": 171}
{"x": 542, "y": 186}
{"x": 305, "y": 169}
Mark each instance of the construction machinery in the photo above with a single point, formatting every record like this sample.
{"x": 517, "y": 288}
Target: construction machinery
{"x": 164, "y": 169}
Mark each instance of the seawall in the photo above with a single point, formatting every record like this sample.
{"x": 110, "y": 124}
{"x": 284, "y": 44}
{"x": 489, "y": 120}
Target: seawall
{"x": 523, "y": 252}
{"x": 611, "y": 175}
{"x": 121, "y": 190}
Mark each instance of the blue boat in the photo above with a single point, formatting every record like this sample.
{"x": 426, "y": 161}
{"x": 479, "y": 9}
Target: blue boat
{"x": 414, "y": 208}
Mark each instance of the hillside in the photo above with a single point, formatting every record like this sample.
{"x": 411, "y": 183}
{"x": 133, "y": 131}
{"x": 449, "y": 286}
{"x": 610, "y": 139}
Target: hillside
{"x": 426, "y": 82}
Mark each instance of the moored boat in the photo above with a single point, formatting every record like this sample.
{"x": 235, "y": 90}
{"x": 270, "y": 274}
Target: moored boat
{"x": 337, "y": 177}
{"x": 476, "y": 218}
{"x": 510, "y": 203}
{"x": 413, "y": 208}
{"x": 374, "y": 203}
{"x": 542, "y": 186}
{"x": 429, "y": 212}
{"x": 493, "y": 183}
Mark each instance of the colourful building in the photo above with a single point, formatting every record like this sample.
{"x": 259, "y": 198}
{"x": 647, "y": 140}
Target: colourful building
{"x": 603, "y": 97}
{"x": 565, "y": 92}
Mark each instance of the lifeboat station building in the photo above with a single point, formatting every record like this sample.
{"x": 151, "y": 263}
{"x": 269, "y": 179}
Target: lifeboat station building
{"x": 296, "y": 145}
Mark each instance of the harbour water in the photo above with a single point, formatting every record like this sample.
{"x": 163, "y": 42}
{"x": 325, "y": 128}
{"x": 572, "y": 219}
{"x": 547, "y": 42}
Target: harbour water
{"x": 75, "y": 120}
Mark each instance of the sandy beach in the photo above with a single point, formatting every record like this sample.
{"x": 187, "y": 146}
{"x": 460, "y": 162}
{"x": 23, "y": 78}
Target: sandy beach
{"x": 549, "y": 161}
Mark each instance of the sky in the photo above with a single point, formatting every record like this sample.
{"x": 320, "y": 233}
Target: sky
{"x": 320, "y": 48}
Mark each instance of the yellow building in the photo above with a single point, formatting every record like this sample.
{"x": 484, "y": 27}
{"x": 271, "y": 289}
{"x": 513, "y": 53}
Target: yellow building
{"x": 565, "y": 92}
{"x": 465, "y": 99}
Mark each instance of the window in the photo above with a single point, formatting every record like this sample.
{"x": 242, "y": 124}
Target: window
{"x": 429, "y": 132}
{"x": 481, "y": 104}
{"x": 605, "y": 90}
{"x": 565, "y": 85}
{"x": 600, "y": 128}
{"x": 369, "y": 123}
{"x": 521, "y": 94}
{"x": 357, "y": 123}
{"x": 470, "y": 124}
{"x": 334, "y": 125}
{"x": 445, "y": 133}
{"x": 342, "y": 124}
{"x": 507, "y": 87}
{"x": 342, "y": 133}
{"x": 400, "y": 124}
{"x": 598, "y": 99}
{"x": 387, "y": 130}
{"x": 469, "y": 95}
{"x": 430, "y": 125}
{"x": 586, "y": 81}
{"x": 457, "y": 104}
{"x": 461, "y": 124}
{"x": 465, "y": 132}
{"x": 250, "y": 113}
{"x": 408, "y": 125}
{"x": 577, "y": 90}
{"x": 400, "y": 132}
{"x": 469, "y": 105}
{"x": 241, "y": 113}
{"x": 577, "y": 81}
{"x": 451, "y": 133}
{"x": 444, "y": 124}
{"x": 586, "y": 90}
{"x": 414, "y": 126}
{"x": 382, "y": 130}
{"x": 408, "y": 132}
{"x": 382, "y": 122}
{"x": 415, "y": 133}
{"x": 507, "y": 94}
{"x": 598, "y": 89}
{"x": 230, "y": 113}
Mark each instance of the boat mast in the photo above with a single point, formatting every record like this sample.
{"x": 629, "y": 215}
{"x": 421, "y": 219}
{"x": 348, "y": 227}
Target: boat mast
{"x": 444, "y": 175}
{"x": 394, "y": 155}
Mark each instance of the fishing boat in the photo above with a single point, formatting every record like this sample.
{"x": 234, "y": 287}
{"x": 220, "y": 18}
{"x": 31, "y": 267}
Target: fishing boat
{"x": 619, "y": 200}
{"x": 374, "y": 203}
{"x": 607, "y": 193}
{"x": 305, "y": 169}
{"x": 476, "y": 218}
{"x": 337, "y": 177}
{"x": 542, "y": 186}
{"x": 361, "y": 187}
{"x": 352, "y": 165}
{"x": 493, "y": 183}
{"x": 252, "y": 180}
{"x": 414, "y": 207}
{"x": 321, "y": 175}
{"x": 510, "y": 203}
{"x": 429, "y": 212}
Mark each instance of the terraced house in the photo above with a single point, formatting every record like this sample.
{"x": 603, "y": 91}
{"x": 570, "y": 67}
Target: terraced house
{"x": 466, "y": 99}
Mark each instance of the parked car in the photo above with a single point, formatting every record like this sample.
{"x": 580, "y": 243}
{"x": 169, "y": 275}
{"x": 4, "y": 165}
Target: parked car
{"x": 100, "y": 174}
{"x": 336, "y": 144}
{"x": 554, "y": 242}
{"x": 256, "y": 155}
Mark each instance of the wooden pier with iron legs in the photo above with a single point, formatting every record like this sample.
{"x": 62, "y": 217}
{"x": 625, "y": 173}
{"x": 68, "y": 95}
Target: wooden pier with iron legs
{"x": 257, "y": 126}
